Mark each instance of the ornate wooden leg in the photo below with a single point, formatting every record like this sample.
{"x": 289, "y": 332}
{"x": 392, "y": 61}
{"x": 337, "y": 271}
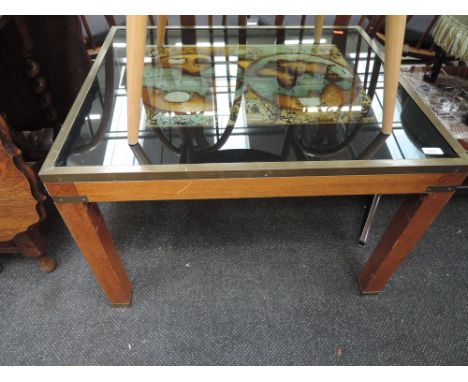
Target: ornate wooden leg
{"x": 32, "y": 244}
{"x": 136, "y": 41}
{"x": 318, "y": 26}
{"x": 394, "y": 37}
{"x": 162, "y": 21}
{"x": 87, "y": 226}
{"x": 409, "y": 224}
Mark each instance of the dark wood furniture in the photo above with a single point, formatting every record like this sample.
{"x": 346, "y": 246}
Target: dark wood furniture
{"x": 418, "y": 43}
{"x": 20, "y": 205}
{"x": 43, "y": 63}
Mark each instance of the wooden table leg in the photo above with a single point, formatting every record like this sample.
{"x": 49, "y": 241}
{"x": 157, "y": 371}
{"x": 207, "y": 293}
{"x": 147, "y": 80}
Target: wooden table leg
{"x": 88, "y": 228}
{"x": 409, "y": 224}
{"x": 318, "y": 26}
{"x": 136, "y": 41}
{"x": 162, "y": 21}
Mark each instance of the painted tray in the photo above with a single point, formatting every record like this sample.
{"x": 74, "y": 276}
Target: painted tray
{"x": 252, "y": 85}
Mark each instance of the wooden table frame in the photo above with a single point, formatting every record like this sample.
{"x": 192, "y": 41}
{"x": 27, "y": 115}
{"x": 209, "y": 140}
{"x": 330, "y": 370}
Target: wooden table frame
{"x": 76, "y": 191}
{"x": 77, "y": 204}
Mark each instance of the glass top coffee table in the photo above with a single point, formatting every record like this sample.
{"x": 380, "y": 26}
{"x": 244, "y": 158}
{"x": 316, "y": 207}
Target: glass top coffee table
{"x": 248, "y": 113}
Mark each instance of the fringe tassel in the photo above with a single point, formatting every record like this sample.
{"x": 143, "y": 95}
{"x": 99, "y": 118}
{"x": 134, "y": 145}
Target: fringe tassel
{"x": 451, "y": 34}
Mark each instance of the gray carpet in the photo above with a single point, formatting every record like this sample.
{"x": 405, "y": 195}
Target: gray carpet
{"x": 242, "y": 282}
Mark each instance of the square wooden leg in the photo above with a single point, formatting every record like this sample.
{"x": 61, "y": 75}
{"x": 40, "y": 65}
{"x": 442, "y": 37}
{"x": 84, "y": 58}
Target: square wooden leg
{"x": 413, "y": 218}
{"x": 88, "y": 228}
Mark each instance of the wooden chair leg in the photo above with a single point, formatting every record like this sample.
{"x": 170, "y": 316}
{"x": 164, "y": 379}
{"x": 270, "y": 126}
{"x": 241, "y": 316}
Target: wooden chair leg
{"x": 318, "y": 26}
{"x": 136, "y": 41}
{"x": 162, "y": 21}
{"x": 32, "y": 244}
{"x": 394, "y": 38}
{"x": 88, "y": 228}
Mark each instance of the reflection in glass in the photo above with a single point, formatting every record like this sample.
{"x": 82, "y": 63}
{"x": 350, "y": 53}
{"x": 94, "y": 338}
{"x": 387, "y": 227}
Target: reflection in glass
{"x": 262, "y": 100}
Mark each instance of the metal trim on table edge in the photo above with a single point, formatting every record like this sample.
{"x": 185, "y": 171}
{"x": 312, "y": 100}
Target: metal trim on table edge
{"x": 254, "y": 170}
{"x": 51, "y": 173}
{"x": 75, "y": 109}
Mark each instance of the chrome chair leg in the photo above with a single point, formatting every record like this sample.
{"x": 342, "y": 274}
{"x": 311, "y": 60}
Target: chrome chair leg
{"x": 369, "y": 220}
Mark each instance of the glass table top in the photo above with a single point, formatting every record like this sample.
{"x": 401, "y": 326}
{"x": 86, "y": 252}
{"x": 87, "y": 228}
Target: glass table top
{"x": 257, "y": 101}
